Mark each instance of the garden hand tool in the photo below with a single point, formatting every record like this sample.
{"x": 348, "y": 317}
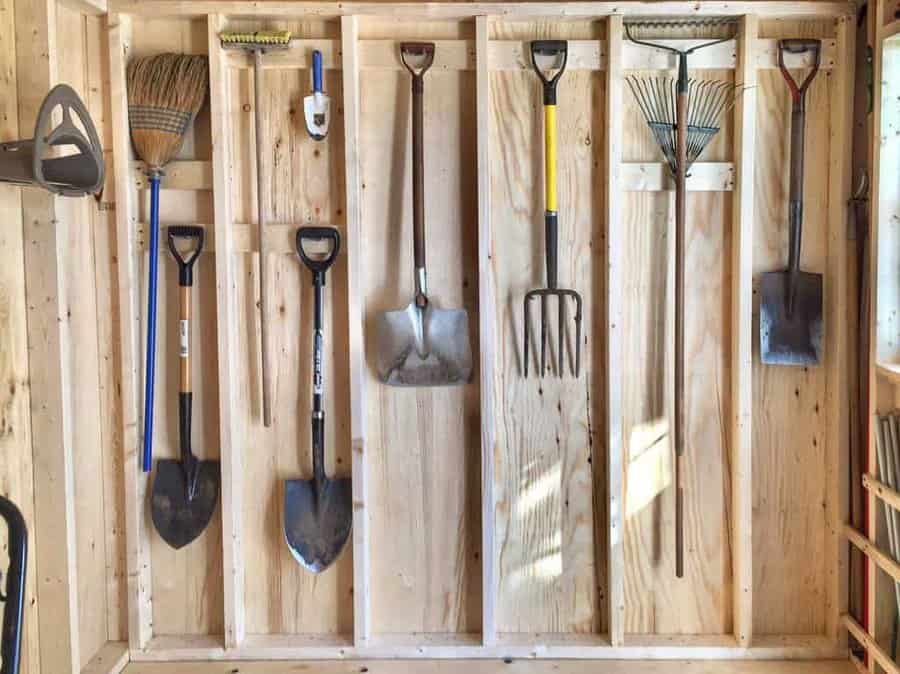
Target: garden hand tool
{"x": 184, "y": 492}
{"x": 790, "y": 308}
{"x": 316, "y": 106}
{"x": 318, "y": 513}
{"x": 421, "y": 345}
{"x": 558, "y": 50}
{"x": 31, "y": 161}
{"x": 258, "y": 43}
{"x": 165, "y": 93}
{"x": 683, "y": 115}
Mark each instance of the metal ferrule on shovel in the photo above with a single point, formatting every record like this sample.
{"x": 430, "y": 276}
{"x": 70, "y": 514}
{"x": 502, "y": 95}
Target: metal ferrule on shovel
{"x": 421, "y": 345}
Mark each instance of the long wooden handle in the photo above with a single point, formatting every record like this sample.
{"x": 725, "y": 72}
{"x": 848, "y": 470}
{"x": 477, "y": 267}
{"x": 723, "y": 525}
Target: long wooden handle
{"x": 680, "y": 235}
{"x": 261, "y": 221}
{"x": 184, "y": 339}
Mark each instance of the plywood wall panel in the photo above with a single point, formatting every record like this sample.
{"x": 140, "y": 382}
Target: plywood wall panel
{"x": 187, "y": 583}
{"x": 423, "y": 443}
{"x": 656, "y": 601}
{"x": 550, "y": 473}
{"x": 305, "y": 187}
{"x": 788, "y": 426}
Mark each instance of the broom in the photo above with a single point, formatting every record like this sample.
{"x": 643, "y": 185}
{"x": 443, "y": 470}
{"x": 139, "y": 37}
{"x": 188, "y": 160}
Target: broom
{"x": 165, "y": 93}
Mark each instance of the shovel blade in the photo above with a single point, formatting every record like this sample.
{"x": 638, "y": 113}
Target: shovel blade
{"x": 794, "y": 339}
{"x": 178, "y": 518}
{"x": 423, "y": 348}
{"x": 317, "y": 111}
{"x": 317, "y": 520}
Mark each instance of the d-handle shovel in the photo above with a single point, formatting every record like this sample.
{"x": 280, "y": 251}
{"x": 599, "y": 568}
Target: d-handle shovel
{"x": 318, "y": 513}
{"x": 790, "y": 316}
{"x": 421, "y": 344}
{"x": 185, "y": 492}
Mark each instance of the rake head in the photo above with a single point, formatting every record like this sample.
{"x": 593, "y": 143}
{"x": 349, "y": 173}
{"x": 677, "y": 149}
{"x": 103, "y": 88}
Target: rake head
{"x": 708, "y": 100}
{"x": 561, "y": 294}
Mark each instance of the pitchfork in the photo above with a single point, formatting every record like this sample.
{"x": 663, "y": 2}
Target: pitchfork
{"x": 557, "y": 49}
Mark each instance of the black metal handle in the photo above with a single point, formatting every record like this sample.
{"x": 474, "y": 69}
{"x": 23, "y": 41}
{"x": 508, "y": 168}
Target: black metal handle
{"x": 185, "y": 266}
{"x": 549, "y": 48}
{"x": 318, "y": 265}
{"x": 14, "y": 597}
{"x": 424, "y": 49}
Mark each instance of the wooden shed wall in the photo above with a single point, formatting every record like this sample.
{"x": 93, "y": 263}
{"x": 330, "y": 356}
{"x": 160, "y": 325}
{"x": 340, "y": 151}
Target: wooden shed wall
{"x": 424, "y": 464}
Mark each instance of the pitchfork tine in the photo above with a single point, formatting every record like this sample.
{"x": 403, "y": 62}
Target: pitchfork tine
{"x": 543, "y": 335}
{"x": 561, "y": 338}
{"x": 527, "y": 332}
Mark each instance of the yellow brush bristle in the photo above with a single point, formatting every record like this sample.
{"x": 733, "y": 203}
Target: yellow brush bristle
{"x": 266, "y": 38}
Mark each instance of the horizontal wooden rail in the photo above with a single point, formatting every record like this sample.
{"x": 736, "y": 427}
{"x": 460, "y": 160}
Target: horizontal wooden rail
{"x": 466, "y": 10}
{"x": 882, "y": 491}
{"x": 889, "y": 372}
{"x": 884, "y": 562}
{"x": 280, "y": 237}
{"x": 513, "y": 55}
{"x": 635, "y": 176}
{"x": 469, "y": 646}
{"x": 863, "y": 637}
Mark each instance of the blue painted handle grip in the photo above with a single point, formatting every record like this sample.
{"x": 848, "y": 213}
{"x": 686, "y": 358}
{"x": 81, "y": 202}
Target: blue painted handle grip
{"x": 317, "y": 71}
{"x": 150, "y": 369}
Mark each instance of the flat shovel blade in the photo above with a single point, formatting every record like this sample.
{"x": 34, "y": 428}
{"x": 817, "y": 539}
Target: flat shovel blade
{"x": 317, "y": 111}
{"x": 178, "y": 519}
{"x": 317, "y": 520}
{"x": 423, "y": 348}
{"x": 794, "y": 339}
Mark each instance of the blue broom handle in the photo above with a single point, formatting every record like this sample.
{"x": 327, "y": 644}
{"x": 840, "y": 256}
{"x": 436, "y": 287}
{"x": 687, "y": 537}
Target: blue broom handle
{"x": 150, "y": 369}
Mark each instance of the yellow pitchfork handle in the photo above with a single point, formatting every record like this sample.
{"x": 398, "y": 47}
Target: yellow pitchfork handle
{"x": 550, "y": 157}
{"x": 559, "y": 50}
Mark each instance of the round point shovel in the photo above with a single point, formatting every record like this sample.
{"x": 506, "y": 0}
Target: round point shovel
{"x": 318, "y": 513}
{"x": 185, "y": 492}
{"x": 790, "y": 309}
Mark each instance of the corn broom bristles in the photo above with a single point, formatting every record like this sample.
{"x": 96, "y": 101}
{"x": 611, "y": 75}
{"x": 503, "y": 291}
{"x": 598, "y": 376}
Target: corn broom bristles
{"x": 165, "y": 93}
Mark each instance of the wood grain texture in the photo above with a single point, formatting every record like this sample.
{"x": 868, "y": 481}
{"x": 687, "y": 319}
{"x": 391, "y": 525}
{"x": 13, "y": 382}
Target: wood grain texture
{"x": 657, "y": 602}
{"x": 17, "y": 465}
{"x": 550, "y": 472}
{"x": 99, "y": 553}
{"x": 97, "y": 93}
{"x": 498, "y": 667}
{"x": 187, "y": 583}
{"x": 887, "y": 314}
{"x": 423, "y": 444}
{"x": 789, "y": 436}
{"x": 306, "y": 189}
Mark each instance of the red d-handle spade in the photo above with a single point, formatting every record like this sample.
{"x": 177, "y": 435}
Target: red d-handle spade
{"x": 798, "y": 128}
